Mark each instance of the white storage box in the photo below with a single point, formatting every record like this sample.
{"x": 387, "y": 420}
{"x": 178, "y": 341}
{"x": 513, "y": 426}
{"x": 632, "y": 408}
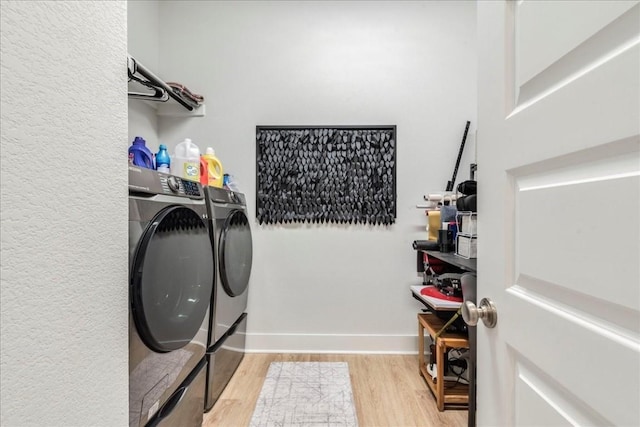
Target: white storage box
{"x": 467, "y": 246}
{"x": 467, "y": 223}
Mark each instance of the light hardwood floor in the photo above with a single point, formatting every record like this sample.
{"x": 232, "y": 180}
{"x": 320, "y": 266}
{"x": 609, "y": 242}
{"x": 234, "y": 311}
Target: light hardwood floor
{"x": 388, "y": 391}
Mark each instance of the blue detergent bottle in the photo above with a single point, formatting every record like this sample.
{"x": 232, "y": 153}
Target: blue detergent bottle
{"x": 163, "y": 161}
{"x": 139, "y": 154}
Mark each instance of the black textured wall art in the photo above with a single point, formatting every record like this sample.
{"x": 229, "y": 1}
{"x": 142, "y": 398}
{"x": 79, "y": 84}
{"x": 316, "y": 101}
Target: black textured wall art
{"x": 328, "y": 174}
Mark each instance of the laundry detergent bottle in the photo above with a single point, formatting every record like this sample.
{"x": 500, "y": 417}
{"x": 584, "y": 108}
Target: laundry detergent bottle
{"x": 186, "y": 161}
{"x": 163, "y": 161}
{"x": 204, "y": 172}
{"x": 214, "y": 166}
{"x": 139, "y": 154}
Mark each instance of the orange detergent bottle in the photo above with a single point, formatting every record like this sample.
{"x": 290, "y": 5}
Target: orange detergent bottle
{"x": 204, "y": 172}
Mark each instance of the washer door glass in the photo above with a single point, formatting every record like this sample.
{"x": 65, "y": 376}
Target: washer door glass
{"x": 172, "y": 279}
{"x": 236, "y": 253}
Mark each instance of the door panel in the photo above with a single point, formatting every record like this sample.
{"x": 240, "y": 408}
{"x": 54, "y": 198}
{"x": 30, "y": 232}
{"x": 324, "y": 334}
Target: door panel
{"x": 537, "y": 397}
{"x": 172, "y": 279}
{"x": 236, "y": 253}
{"x": 553, "y": 47}
{"x": 559, "y": 172}
{"x": 584, "y": 355}
{"x": 573, "y": 220}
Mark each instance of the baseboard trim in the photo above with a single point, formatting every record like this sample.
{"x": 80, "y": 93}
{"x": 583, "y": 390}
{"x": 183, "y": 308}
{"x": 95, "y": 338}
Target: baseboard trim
{"x": 333, "y": 344}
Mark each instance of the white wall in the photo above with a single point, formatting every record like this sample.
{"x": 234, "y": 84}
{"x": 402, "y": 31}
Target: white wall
{"x": 412, "y": 64}
{"x": 64, "y": 208}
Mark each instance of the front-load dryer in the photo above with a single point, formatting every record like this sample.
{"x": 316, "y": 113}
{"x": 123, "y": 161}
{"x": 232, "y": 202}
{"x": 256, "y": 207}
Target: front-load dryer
{"x": 231, "y": 235}
{"x": 170, "y": 289}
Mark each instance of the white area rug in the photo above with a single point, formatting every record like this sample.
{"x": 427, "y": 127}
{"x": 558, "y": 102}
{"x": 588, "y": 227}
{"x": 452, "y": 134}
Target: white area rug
{"x": 306, "y": 394}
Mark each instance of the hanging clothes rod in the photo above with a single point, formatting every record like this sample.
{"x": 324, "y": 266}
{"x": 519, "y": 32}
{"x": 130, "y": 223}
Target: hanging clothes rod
{"x": 161, "y": 91}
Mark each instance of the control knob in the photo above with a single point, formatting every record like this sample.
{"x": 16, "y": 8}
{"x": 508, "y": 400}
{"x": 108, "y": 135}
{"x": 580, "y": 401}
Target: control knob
{"x": 174, "y": 183}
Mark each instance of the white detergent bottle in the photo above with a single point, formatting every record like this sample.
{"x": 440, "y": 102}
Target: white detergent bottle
{"x": 186, "y": 161}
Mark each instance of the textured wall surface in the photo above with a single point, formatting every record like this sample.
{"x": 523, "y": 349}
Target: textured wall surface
{"x": 410, "y": 64}
{"x": 64, "y": 214}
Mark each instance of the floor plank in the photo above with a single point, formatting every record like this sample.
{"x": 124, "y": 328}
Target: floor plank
{"x": 388, "y": 391}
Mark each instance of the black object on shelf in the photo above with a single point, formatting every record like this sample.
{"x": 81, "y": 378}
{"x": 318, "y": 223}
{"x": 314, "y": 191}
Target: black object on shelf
{"x": 468, "y": 202}
{"x": 425, "y": 245}
{"x": 462, "y": 263}
{"x": 445, "y": 241}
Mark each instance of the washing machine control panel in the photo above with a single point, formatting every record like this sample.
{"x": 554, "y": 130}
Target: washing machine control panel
{"x": 192, "y": 188}
{"x": 225, "y": 196}
{"x": 142, "y": 180}
{"x": 180, "y": 187}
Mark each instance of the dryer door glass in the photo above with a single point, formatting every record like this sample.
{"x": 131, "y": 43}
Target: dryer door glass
{"x": 172, "y": 279}
{"x": 236, "y": 253}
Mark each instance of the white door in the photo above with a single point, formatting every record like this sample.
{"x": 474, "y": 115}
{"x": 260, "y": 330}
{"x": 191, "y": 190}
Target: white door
{"x": 559, "y": 189}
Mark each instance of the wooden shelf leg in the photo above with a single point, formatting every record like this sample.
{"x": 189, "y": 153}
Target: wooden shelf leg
{"x": 420, "y": 345}
{"x": 440, "y": 350}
